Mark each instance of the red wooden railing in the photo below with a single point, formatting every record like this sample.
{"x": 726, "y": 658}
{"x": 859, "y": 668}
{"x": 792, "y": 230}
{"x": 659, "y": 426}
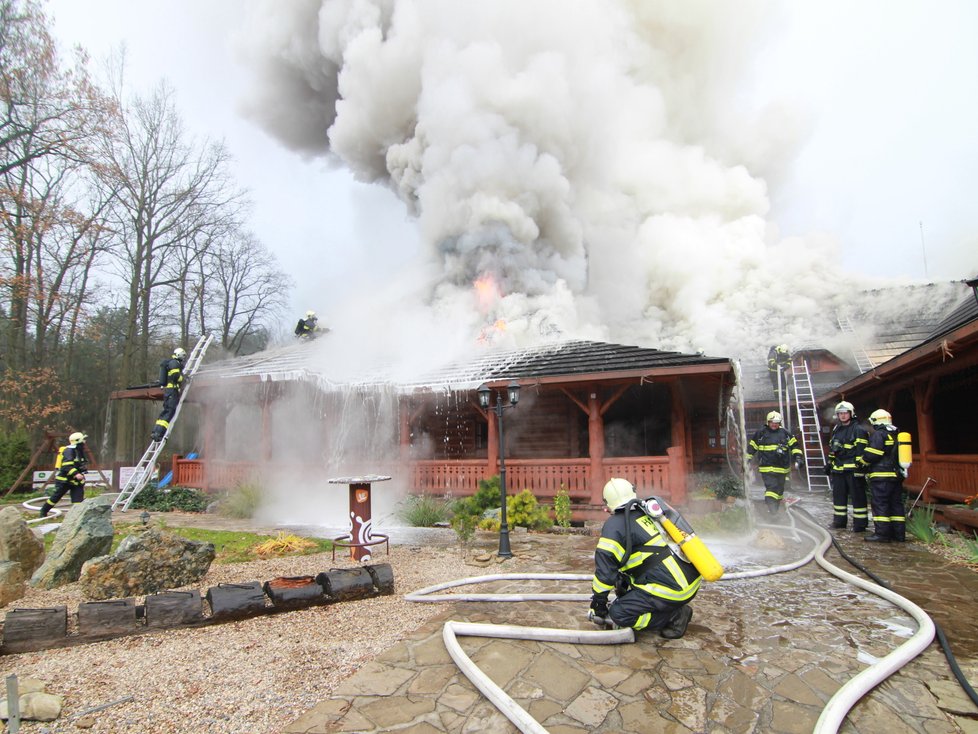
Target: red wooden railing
{"x": 650, "y": 474}
{"x": 955, "y": 476}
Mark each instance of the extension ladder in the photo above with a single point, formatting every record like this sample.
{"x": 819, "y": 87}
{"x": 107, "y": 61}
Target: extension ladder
{"x": 863, "y": 362}
{"x": 809, "y": 425}
{"x": 144, "y": 469}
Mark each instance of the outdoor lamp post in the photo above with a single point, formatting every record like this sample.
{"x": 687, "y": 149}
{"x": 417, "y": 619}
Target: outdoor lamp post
{"x": 513, "y": 392}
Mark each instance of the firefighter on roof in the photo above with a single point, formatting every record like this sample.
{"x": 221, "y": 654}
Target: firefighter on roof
{"x": 309, "y": 327}
{"x": 778, "y": 361}
{"x": 70, "y": 466}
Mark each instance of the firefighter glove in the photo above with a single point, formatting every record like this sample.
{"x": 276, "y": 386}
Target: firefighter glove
{"x": 599, "y": 606}
{"x": 828, "y": 470}
{"x": 798, "y": 464}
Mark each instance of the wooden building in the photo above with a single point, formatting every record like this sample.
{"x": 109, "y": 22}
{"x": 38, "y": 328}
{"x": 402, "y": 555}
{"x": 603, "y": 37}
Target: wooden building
{"x": 587, "y": 411}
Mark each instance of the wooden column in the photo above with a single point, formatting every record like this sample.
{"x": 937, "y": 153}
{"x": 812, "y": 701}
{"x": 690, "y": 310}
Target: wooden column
{"x": 404, "y": 432}
{"x": 492, "y": 443}
{"x": 923, "y": 396}
{"x": 595, "y": 437}
{"x": 268, "y": 400}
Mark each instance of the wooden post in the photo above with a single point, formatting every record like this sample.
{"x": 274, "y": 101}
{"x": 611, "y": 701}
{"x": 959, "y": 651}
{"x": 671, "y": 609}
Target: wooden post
{"x": 596, "y": 446}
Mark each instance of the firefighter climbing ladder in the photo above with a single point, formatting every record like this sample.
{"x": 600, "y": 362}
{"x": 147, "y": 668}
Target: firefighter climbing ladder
{"x": 808, "y": 424}
{"x": 863, "y": 362}
{"x": 144, "y": 469}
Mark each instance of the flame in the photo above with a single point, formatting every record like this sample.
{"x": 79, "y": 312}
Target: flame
{"x": 490, "y": 331}
{"x": 487, "y": 291}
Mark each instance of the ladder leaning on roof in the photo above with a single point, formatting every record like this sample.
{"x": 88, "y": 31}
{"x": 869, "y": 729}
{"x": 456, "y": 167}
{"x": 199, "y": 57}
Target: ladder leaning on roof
{"x": 863, "y": 362}
{"x": 808, "y": 424}
{"x": 144, "y": 469}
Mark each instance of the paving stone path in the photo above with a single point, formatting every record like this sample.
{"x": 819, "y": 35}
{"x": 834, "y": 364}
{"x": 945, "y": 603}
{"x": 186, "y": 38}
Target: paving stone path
{"x": 761, "y": 655}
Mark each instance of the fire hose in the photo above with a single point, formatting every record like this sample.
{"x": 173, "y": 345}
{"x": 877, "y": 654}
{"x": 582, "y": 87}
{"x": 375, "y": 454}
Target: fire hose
{"x": 832, "y": 715}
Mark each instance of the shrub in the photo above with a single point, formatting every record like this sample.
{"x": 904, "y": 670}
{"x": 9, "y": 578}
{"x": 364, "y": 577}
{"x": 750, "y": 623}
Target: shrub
{"x": 464, "y": 527}
{"x": 15, "y": 455}
{"x": 719, "y": 486}
{"x": 424, "y": 511}
{"x": 562, "y": 508}
{"x": 523, "y": 510}
{"x": 184, "y": 499}
{"x": 241, "y": 502}
{"x": 920, "y": 524}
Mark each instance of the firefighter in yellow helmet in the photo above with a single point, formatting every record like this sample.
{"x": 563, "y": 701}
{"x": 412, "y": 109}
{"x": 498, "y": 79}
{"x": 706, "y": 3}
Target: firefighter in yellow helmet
{"x": 70, "y": 466}
{"x": 847, "y": 442}
{"x": 775, "y": 449}
{"x": 885, "y": 477}
{"x": 653, "y": 584}
{"x": 309, "y": 327}
{"x": 778, "y": 361}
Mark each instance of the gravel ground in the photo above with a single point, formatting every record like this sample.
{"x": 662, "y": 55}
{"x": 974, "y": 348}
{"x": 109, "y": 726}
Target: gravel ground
{"x": 244, "y": 677}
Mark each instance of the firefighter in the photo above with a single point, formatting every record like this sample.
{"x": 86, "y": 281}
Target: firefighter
{"x": 70, "y": 466}
{"x": 846, "y": 442}
{"x": 653, "y": 584}
{"x": 778, "y": 361}
{"x": 775, "y": 449}
{"x": 885, "y": 480}
{"x": 171, "y": 380}
{"x": 309, "y": 327}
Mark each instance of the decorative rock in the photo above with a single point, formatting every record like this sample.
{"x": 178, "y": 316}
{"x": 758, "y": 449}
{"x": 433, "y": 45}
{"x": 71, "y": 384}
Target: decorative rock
{"x": 85, "y": 722}
{"x": 36, "y": 706}
{"x": 18, "y": 543}
{"x": 12, "y": 585}
{"x": 85, "y": 533}
{"x": 145, "y": 563}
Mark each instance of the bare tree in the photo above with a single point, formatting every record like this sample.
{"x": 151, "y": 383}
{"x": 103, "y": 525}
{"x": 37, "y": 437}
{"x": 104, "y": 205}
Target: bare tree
{"x": 246, "y": 289}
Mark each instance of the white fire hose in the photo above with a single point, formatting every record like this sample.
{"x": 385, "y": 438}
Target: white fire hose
{"x": 832, "y": 715}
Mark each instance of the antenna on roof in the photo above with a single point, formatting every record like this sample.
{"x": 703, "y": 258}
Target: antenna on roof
{"x": 923, "y": 249}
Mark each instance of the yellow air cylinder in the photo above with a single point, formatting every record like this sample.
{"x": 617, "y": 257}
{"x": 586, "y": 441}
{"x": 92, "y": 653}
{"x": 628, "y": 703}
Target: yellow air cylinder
{"x": 696, "y": 551}
{"x": 904, "y": 451}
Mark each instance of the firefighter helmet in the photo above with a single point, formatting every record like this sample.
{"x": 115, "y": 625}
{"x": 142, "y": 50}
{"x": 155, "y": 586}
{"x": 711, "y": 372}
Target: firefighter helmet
{"x": 310, "y": 314}
{"x": 783, "y": 348}
{"x": 845, "y": 406}
{"x": 179, "y": 353}
{"x": 880, "y": 418}
{"x": 77, "y": 437}
{"x": 618, "y": 492}
{"x": 773, "y": 417}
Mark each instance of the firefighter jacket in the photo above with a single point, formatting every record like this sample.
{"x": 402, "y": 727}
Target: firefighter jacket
{"x": 777, "y": 359}
{"x": 171, "y": 374}
{"x": 73, "y": 465}
{"x": 774, "y": 449}
{"x": 880, "y": 455}
{"x": 307, "y": 327}
{"x": 845, "y": 444}
{"x": 651, "y": 566}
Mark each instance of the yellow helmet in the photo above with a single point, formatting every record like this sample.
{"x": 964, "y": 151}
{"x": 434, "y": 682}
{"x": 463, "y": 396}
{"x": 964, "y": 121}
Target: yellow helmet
{"x": 844, "y": 407}
{"x": 880, "y": 418}
{"x": 773, "y": 417}
{"x": 618, "y": 492}
{"x": 179, "y": 353}
{"x": 77, "y": 437}
{"x": 310, "y": 314}
{"x": 783, "y": 348}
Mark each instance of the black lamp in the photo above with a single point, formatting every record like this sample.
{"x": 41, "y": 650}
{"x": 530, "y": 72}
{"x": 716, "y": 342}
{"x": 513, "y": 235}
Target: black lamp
{"x": 973, "y": 285}
{"x": 513, "y": 393}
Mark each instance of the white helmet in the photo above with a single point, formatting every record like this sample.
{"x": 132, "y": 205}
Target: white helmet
{"x": 310, "y": 314}
{"x": 880, "y": 418}
{"x": 179, "y": 353}
{"x": 773, "y": 417}
{"x": 845, "y": 407}
{"x": 77, "y": 437}
{"x": 618, "y": 492}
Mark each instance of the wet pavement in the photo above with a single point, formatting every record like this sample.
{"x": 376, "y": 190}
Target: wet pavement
{"x": 761, "y": 654}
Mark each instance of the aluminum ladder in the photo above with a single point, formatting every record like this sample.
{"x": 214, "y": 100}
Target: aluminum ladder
{"x": 144, "y": 469}
{"x": 808, "y": 424}
{"x": 863, "y": 362}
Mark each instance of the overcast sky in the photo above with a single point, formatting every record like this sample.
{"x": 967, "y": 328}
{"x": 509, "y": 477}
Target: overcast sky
{"x": 889, "y": 91}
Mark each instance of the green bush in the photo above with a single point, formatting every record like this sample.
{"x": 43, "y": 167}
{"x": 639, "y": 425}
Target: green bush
{"x": 184, "y": 499}
{"x": 523, "y": 510}
{"x": 920, "y": 524}
{"x": 241, "y": 502}
{"x": 15, "y": 455}
{"x": 424, "y": 511}
{"x": 464, "y": 527}
{"x": 562, "y": 508}
{"x": 719, "y": 486}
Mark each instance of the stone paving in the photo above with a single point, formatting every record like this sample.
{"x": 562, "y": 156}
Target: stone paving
{"x": 760, "y": 655}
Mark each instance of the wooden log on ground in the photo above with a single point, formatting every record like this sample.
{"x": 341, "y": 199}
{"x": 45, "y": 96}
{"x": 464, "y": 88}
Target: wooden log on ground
{"x": 236, "y": 600}
{"x": 110, "y": 617}
{"x": 34, "y": 629}
{"x": 171, "y": 608}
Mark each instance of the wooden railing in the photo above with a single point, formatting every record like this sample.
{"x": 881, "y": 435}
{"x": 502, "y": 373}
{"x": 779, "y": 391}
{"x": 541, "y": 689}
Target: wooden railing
{"x": 955, "y": 476}
{"x": 543, "y": 477}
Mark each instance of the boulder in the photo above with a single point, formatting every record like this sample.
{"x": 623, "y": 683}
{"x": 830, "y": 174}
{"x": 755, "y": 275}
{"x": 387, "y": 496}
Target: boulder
{"x": 146, "y": 563}
{"x": 85, "y": 533}
{"x": 37, "y": 706}
{"x": 12, "y": 586}
{"x": 18, "y": 542}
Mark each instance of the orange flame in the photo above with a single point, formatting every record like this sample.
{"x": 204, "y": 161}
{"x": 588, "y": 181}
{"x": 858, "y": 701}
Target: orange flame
{"x": 487, "y": 291}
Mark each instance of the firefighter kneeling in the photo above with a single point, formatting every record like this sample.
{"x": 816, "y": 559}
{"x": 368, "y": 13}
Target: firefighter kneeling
{"x": 652, "y": 578}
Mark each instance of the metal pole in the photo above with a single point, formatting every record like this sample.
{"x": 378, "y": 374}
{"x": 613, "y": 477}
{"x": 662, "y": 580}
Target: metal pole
{"x": 504, "y": 550}
{"x": 13, "y": 705}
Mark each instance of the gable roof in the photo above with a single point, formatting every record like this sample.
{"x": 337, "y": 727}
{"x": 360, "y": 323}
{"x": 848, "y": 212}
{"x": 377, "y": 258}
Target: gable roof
{"x": 567, "y": 361}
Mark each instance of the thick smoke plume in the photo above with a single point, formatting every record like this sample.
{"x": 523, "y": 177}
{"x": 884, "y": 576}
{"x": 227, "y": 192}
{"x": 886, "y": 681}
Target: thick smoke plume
{"x": 597, "y": 159}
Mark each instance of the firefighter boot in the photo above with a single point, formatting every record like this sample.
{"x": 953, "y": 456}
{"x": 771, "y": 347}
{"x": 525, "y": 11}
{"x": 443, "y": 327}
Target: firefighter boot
{"x": 45, "y": 508}
{"x": 899, "y": 532}
{"x": 676, "y": 627}
{"x": 158, "y": 433}
{"x": 881, "y": 534}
